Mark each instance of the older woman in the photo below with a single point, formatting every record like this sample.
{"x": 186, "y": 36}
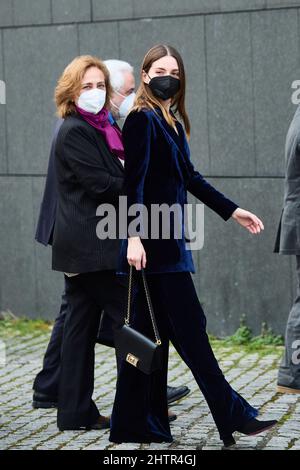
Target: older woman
{"x": 88, "y": 157}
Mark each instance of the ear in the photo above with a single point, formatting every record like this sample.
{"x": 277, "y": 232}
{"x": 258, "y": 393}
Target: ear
{"x": 145, "y": 77}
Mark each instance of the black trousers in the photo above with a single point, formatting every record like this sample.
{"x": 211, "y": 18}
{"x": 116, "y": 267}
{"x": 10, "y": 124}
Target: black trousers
{"x": 87, "y": 295}
{"x": 47, "y": 380}
{"x": 140, "y": 412}
{"x": 289, "y": 370}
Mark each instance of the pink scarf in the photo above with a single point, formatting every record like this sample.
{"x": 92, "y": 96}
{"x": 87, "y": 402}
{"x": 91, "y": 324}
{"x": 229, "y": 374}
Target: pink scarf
{"x": 111, "y": 134}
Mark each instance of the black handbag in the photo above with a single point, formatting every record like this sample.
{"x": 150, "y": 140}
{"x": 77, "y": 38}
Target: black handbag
{"x": 134, "y": 347}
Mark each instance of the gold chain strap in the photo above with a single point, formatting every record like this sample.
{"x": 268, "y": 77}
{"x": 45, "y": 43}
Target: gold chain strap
{"x": 129, "y": 296}
{"x": 127, "y": 318}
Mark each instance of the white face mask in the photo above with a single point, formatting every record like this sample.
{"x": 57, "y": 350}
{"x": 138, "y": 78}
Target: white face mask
{"x": 92, "y": 100}
{"x": 126, "y": 104}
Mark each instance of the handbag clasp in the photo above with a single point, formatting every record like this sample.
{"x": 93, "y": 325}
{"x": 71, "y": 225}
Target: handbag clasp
{"x": 132, "y": 359}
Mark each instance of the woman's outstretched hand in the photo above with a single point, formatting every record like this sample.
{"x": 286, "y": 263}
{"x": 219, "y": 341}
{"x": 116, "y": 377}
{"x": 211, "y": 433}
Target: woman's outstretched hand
{"x": 136, "y": 255}
{"x": 248, "y": 220}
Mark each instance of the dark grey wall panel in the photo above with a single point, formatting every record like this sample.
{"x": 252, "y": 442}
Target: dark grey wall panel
{"x": 6, "y": 13}
{"x": 282, "y": 3}
{"x": 17, "y": 267}
{"x": 275, "y": 67}
{"x": 99, "y": 39}
{"x": 3, "y": 161}
{"x": 35, "y": 12}
{"x": 28, "y": 286}
{"x": 238, "y": 5}
{"x": 64, "y": 11}
{"x": 175, "y": 7}
{"x": 32, "y": 12}
{"x": 112, "y": 10}
{"x": 230, "y": 97}
{"x": 137, "y": 37}
{"x": 239, "y": 273}
{"x": 33, "y": 70}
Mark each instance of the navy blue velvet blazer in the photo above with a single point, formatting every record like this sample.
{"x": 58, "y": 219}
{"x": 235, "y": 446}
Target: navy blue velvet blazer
{"x": 158, "y": 170}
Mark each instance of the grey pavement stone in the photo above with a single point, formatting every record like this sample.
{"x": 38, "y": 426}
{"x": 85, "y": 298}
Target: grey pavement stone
{"x": 21, "y": 427}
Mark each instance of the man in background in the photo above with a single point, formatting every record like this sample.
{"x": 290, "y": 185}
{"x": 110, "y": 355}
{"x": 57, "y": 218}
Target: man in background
{"x": 288, "y": 243}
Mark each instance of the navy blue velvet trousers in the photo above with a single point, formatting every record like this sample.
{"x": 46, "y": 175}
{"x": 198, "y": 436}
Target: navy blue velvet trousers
{"x": 140, "y": 411}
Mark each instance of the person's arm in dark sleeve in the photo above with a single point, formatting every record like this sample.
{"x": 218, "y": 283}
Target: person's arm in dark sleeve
{"x": 137, "y": 139}
{"x": 46, "y": 218}
{"x": 136, "y": 134}
{"x": 83, "y": 157}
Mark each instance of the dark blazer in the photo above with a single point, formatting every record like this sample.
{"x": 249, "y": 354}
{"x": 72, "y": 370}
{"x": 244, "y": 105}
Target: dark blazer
{"x": 88, "y": 174}
{"x": 287, "y": 240}
{"x": 47, "y": 213}
{"x": 46, "y": 219}
{"x": 158, "y": 170}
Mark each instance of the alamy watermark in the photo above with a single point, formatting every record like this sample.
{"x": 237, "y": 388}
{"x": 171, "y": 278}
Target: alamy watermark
{"x": 296, "y": 353}
{"x": 159, "y": 221}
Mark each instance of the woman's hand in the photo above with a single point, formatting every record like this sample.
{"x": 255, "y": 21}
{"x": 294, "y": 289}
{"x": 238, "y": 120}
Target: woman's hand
{"x": 248, "y": 220}
{"x": 136, "y": 255}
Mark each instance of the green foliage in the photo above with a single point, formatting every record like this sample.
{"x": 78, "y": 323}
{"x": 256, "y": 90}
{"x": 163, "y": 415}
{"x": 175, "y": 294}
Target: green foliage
{"x": 244, "y": 337}
{"x": 11, "y": 326}
{"x": 266, "y": 342}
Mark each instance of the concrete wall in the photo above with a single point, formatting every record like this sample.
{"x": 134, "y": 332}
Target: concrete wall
{"x": 241, "y": 58}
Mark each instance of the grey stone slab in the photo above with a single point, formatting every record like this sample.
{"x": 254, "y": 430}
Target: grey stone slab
{"x": 3, "y": 160}
{"x": 49, "y": 284}
{"x": 275, "y": 67}
{"x": 6, "y": 13}
{"x": 244, "y": 5}
{"x": 137, "y": 37}
{"x": 230, "y": 96}
{"x": 101, "y": 40}
{"x": 32, "y": 12}
{"x": 17, "y": 267}
{"x": 112, "y": 10}
{"x": 282, "y": 3}
{"x": 239, "y": 273}
{"x": 64, "y": 11}
{"x": 30, "y": 91}
{"x": 175, "y": 7}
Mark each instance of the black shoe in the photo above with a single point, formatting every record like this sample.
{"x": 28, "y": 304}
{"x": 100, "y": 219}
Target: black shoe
{"x": 176, "y": 393}
{"x": 228, "y": 441}
{"x": 254, "y": 426}
{"x": 286, "y": 389}
{"x": 41, "y": 400}
{"x": 172, "y": 416}
{"x": 102, "y": 422}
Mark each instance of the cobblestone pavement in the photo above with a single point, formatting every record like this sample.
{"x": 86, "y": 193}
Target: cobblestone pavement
{"x": 253, "y": 375}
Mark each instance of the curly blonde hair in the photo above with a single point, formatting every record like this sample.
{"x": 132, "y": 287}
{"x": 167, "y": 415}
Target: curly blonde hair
{"x": 69, "y": 83}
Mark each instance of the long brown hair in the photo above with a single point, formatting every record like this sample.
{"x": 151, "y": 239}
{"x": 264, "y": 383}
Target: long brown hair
{"x": 146, "y": 99}
{"x": 69, "y": 83}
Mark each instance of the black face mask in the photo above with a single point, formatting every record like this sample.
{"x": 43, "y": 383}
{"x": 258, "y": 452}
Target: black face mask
{"x": 164, "y": 87}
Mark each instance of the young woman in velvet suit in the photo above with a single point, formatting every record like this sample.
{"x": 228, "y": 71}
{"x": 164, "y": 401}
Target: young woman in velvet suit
{"x": 158, "y": 170}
